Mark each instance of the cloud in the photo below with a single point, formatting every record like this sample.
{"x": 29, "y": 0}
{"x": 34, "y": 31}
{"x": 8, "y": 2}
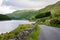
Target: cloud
{"x": 8, "y": 6}
{"x": 23, "y": 3}
{"x": 28, "y": 3}
{"x": 1, "y": 2}
{"x": 5, "y": 9}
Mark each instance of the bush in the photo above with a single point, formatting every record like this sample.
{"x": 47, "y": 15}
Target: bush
{"x": 42, "y": 20}
{"x": 42, "y": 15}
{"x": 4, "y": 17}
{"x": 47, "y": 22}
{"x": 54, "y": 22}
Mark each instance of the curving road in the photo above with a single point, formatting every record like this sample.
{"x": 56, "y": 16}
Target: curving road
{"x": 49, "y": 33}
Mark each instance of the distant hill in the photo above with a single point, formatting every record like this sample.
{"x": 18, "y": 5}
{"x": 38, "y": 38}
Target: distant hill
{"x": 4, "y": 17}
{"x": 30, "y": 14}
{"x": 22, "y": 14}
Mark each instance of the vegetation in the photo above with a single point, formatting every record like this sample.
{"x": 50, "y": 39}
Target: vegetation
{"x": 15, "y": 32}
{"x": 54, "y": 18}
{"x": 50, "y": 15}
{"x": 4, "y": 17}
{"x": 43, "y": 15}
{"x": 34, "y": 35}
{"x": 23, "y": 14}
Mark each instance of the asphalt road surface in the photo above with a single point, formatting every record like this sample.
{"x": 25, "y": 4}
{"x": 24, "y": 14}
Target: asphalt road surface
{"x": 49, "y": 33}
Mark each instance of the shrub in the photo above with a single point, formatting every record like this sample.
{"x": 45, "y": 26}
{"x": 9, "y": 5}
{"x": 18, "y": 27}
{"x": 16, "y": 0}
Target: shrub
{"x": 42, "y": 15}
{"x": 4, "y": 17}
{"x": 54, "y": 22}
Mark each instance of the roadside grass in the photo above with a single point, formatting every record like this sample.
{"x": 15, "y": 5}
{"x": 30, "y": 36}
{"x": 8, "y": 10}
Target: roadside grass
{"x": 48, "y": 22}
{"x": 53, "y": 25}
{"x": 34, "y": 35}
{"x": 57, "y": 26}
{"x": 12, "y": 34}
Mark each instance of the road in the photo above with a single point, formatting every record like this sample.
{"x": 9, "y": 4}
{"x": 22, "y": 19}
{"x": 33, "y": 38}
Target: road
{"x": 49, "y": 33}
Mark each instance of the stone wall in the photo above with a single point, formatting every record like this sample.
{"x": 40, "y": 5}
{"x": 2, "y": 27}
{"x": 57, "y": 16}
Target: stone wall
{"x": 24, "y": 35}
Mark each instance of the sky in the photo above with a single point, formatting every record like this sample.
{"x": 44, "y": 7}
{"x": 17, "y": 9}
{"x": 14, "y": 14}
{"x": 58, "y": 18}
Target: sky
{"x": 9, "y": 6}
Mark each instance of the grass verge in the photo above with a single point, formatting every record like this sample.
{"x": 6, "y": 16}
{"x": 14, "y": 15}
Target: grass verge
{"x": 58, "y": 25}
{"x": 34, "y": 35}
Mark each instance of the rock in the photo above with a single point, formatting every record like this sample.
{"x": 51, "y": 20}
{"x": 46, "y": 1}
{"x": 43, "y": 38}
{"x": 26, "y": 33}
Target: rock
{"x": 24, "y": 35}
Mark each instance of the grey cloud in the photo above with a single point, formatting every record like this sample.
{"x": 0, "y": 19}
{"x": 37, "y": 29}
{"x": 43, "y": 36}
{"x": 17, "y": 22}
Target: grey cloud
{"x": 28, "y": 3}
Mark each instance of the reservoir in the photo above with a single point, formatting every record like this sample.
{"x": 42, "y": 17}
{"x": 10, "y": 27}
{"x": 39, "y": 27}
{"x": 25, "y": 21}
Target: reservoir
{"x": 7, "y": 26}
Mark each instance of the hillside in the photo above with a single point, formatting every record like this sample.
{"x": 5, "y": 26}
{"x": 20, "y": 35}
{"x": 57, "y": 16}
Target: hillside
{"x": 22, "y": 14}
{"x": 30, "y": 14}
{"x": 54, "y": 18}
{"x": 54, "y": 9}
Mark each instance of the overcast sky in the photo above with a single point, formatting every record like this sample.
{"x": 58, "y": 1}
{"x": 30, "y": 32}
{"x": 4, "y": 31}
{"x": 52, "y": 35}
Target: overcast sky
{"x": 8, "y": 6}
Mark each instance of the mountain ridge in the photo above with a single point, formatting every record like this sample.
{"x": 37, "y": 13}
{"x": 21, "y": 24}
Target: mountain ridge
{"x": 30, "y": 14}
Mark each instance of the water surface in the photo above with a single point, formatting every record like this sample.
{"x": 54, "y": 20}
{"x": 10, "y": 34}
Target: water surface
{"x": 7, "y": 26}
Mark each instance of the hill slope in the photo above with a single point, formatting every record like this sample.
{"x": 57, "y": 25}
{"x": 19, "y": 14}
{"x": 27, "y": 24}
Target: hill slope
{"x": 54, "y": 9}
{"x": 30, "y": 14}
{"x": 22, "y": 14}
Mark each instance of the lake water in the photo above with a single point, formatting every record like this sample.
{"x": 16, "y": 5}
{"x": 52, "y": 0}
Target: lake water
{"x": 7, "y": 26}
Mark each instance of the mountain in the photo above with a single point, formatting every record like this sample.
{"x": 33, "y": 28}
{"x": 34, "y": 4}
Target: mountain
{"x": 30, "y": 14}
{"x": 54, "y": 18}
{"x": 22, "y": 14}
{"x": 54, "y": 9}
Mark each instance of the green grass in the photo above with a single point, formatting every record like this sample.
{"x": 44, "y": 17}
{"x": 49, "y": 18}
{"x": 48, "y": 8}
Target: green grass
{"x": 34, "y": 35}
{"x": 21, "y": 28}
{"x": 57, "y": 26}
{"x": 15, "y": 32}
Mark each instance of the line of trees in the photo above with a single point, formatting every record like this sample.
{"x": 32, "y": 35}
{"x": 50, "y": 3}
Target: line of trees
{"x": 43, "y": 15}
{"x": 4, "y": 17}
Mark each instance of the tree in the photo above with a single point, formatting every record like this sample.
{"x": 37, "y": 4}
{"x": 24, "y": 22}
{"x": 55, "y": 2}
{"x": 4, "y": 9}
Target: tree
{"x": 43, "y": 15}
{"x": 4, "y": 17}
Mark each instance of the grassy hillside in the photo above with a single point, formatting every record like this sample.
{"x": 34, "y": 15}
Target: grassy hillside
{"x": 48, "y": 15}
{"x": 30, "y": 14}
{"x": 54, "y": 18}
{"x": 22, "y": 14}
{"x": 54, "y": 9}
